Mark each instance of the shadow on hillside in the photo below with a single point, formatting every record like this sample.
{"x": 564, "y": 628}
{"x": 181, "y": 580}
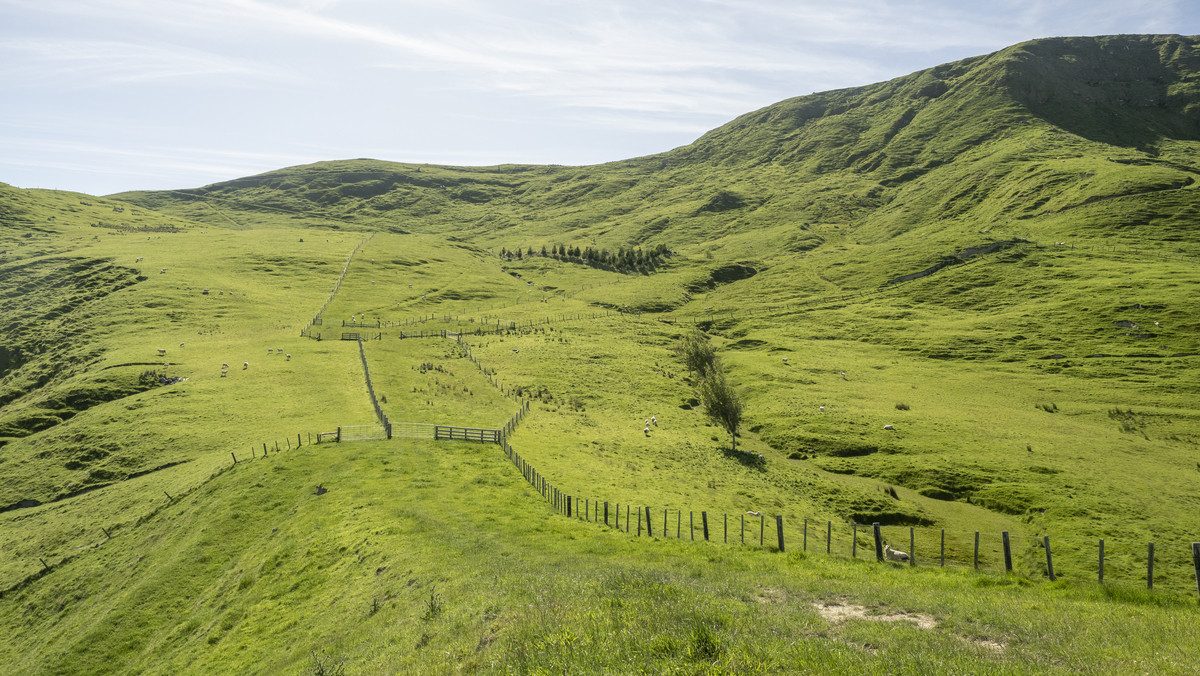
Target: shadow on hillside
{"x": 746, "y": 458}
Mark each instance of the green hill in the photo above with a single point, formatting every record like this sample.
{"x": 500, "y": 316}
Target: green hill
{"x": 960, "y": 302}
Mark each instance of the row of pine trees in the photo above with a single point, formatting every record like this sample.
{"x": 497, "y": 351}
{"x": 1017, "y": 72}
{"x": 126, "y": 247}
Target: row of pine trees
{"x": 624, "y": 259}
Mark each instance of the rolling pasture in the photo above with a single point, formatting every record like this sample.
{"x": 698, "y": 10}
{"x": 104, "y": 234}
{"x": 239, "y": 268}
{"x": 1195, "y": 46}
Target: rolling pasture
{"x": 948, "y": 329}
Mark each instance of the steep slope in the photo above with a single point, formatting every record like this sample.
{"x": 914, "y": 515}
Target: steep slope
{"x": 879, "y": 159}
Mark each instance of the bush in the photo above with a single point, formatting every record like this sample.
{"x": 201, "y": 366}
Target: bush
{"x": 901, "y": 406}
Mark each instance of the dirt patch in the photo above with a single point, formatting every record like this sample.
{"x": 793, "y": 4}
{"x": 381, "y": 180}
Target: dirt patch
{"x": 836, "y": 613}
{"x": 771, "y": 595}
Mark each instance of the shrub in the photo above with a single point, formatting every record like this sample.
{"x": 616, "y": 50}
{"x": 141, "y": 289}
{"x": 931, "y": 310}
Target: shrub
{"x": 901, "y": 406}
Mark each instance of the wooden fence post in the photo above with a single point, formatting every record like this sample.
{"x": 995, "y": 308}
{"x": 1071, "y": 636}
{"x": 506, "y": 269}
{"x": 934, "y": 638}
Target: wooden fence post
{"x": 265, "y": 446}
{"x": 779, "y": 530}
{"x": 678, "y": 523}
{"x": 828, "y": 537}
{"x": 1049, "y": 561}
{"x": 568, "y": 506}
{"x": 234, "y": 457}
{"x": 298, "y": 444}
{"x": 1007, "y": 551}
{"x": 761, "y": 520}
{"x": 106, "y": 533}
{"x": 1196, "y": 563}
{"x": 692, "y": 524}
{"x": 606, "y": 512}
{"x": 912, "y": 547}
{"x": 976, "y": 550}
{"x": 878, "y": 541}
{"x": 725, "y": 534}
{"x": 743, "y": 529}
{"x": 1150, "y": 567}
{"x": 626, "y": 518}
{"x": 1101, "y": 560}
{"x": 853, "y": 540}
{"x": 649, "y": 528}
{"x": 943, "y": 548}
{"x": 704, "y": 519}
{"x": 806, "y": 534}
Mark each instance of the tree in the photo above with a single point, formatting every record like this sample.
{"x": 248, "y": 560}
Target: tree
{"x": 698, "y": 354}
{"x": 721, "y": 402}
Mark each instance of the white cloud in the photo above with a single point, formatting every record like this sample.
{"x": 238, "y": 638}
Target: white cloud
{"x": 47, "y": 61}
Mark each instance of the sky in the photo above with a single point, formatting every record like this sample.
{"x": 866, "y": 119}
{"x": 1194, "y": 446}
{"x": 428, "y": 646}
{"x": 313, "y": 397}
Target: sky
{"x": 102, "y": 96}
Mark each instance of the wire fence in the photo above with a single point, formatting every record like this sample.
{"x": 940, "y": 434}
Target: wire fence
{"x": 317, "y": 318}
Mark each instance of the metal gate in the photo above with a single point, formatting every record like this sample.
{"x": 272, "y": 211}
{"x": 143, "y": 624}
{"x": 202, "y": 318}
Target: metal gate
{"x": 362, "y": 432}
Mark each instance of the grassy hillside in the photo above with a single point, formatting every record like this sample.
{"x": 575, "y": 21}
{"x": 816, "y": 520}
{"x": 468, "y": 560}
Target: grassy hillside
{"x": 954, "y": 302}
{"x": 437, "y": 559}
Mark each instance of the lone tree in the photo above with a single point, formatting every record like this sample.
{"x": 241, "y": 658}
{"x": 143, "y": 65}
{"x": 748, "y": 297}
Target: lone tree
{"x": 721, "y": 403}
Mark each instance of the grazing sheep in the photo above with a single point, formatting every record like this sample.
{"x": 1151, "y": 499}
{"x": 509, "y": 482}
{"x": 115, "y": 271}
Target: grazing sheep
{"x": 844, "y": 375}
{"x": 224, "y": 373}
{"x": 181, "y": 345}
{"x": 289, "y": 356}
{"x": 754, "y": 513}
{"x": 654, "y": 421}
{"x": 245, "y": 365}
{"x": 139, "y": 259}
{"x": 163, "y": 271}
{"x": 894, "y": 554}
{"x": 785, "y": 360}
{"x": 161, "y": 352}
{"x": 224, "y": 365}
{"x": 822, "y": 409}
{"x": 888, "y": 427}
{"x": 269, "y": 350}
{"x": 646, "y": 431}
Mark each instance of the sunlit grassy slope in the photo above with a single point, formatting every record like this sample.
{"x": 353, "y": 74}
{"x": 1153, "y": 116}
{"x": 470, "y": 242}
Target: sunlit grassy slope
{"x": 1042, "y": 379}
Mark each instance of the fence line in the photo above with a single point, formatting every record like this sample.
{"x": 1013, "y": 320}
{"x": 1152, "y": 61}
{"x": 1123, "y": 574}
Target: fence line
{"x": 317, "y": 318}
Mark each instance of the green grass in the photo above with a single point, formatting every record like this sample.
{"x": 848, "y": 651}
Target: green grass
{"x": 255, "y": 572}
{"x": 1032, "y": 404}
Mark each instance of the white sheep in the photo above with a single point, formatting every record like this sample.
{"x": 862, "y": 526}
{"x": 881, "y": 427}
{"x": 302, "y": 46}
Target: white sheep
{"x": 139, "y": 259}
{"x": 224, "y": 373}
{"x": 646, "y": 431}
{"x": 269, "y": 350}
{"x": 894, "y": 554}
{"x": 889, "y": 427}
{"x": 245, "y": 365}
{"x": 163, "y": 271}
{"x": 161, "y": 352}
{"x": 181, "y": 345}
{"x": 224, "y": 365}
{"x": 654, "y": 421}
{"x": 785, "y": 360}
{"x": 754, "y": 513}
{"x": 822, "y": 409}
